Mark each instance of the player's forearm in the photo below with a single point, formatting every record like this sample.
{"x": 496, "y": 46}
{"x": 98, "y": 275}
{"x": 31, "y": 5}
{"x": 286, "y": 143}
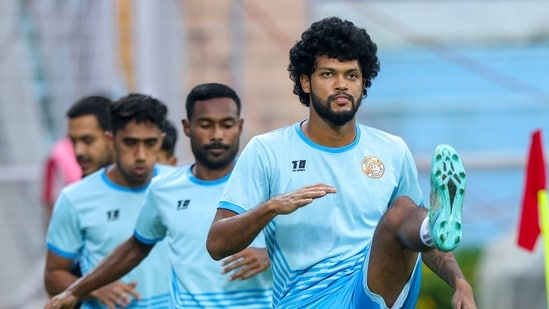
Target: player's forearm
{"x": 57, "y": 280}
{"x": 443, "y": 264}
{"x": 231, "y": 234}
{"x": 121, "y": 261}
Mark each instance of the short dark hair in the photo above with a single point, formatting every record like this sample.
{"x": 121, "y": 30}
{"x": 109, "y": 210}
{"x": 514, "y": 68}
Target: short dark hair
{"x": 96, "y": 105}
{"x": 210, "y": 91}
{"x": 170, "y": 139}
{"x": 334, "y": 38}
{"x": 140, "y": 108}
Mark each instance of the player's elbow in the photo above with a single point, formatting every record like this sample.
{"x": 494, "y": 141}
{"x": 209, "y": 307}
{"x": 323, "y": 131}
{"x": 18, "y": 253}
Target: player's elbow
{"x": 218, "y": 243}
{"x": 48, "y": 287}
{"x": 51, "y": 283}
{"x": 214, "y": 248}
{"x": 57, "y": 273}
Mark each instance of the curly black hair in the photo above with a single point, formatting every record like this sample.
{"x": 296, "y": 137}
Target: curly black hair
{"x": 140, "y": 108}
{"x": 335, "y": 38}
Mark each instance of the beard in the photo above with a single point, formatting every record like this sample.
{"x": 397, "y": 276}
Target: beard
{"x": 214, "y": 162}
{"x": 336, "y": 118}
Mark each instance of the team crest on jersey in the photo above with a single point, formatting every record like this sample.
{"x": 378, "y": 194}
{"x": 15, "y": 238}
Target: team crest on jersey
{"x": 373, "y": 167}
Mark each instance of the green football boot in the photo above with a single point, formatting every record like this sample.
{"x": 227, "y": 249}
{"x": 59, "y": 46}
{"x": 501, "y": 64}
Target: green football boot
{"x": 447, "y": 191}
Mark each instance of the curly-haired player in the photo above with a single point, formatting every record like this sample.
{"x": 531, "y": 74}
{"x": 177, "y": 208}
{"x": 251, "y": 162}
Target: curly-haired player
{"x": 339, "y": 202}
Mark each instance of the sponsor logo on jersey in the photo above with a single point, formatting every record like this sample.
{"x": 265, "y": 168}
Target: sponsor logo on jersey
{"x": 113, "y": 215}
{"x": 298, "y": 165}
{"x": 183, "y": 204}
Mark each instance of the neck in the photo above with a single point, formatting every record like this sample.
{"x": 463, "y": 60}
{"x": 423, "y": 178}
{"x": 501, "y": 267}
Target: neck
{"x": 327, "y": 134}
{"x": 205, "y": 173}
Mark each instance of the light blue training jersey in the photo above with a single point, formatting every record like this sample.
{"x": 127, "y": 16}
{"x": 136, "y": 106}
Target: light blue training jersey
{"x": 318, "y": 249}
{"x": 94, "y": 216}
{"x": 182, "y": 207}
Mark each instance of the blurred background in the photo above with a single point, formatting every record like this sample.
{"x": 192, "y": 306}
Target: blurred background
{"x": 472, "y": 74}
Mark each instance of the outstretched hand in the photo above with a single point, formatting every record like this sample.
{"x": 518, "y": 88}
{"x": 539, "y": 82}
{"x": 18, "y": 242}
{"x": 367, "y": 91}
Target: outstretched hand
{"x": 63, "y": 300}
{"x": 116, "y": 294}
{"x": 289, "y": 202}
{"x": 463, "y": 297}
{"x": 249, "y": 262}
{"x": 111, "y": 295}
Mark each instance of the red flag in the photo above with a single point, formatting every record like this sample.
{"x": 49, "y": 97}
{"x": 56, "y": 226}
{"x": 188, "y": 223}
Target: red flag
{"x": 529, "y": 225}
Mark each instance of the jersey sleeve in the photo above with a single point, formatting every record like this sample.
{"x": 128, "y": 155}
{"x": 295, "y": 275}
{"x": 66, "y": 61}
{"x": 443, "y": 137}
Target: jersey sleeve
{"x": 64, "y": 236}
{"x": 408, "y": 184}
{"x": 248, "y": 184}
{"x": 150, "y": 228}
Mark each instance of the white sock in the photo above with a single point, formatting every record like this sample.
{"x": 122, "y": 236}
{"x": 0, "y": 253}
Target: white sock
{"x": 425, "y": 234}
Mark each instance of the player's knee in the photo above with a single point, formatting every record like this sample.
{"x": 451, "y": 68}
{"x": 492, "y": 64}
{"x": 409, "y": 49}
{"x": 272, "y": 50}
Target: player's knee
{"x": 398, "y": 211}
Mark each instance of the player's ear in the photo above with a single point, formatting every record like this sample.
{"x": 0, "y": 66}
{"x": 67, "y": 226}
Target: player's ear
{"x": 305, "y": 82}
{"x": 240, "y": 125}
{"x": 186, "y": 127}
